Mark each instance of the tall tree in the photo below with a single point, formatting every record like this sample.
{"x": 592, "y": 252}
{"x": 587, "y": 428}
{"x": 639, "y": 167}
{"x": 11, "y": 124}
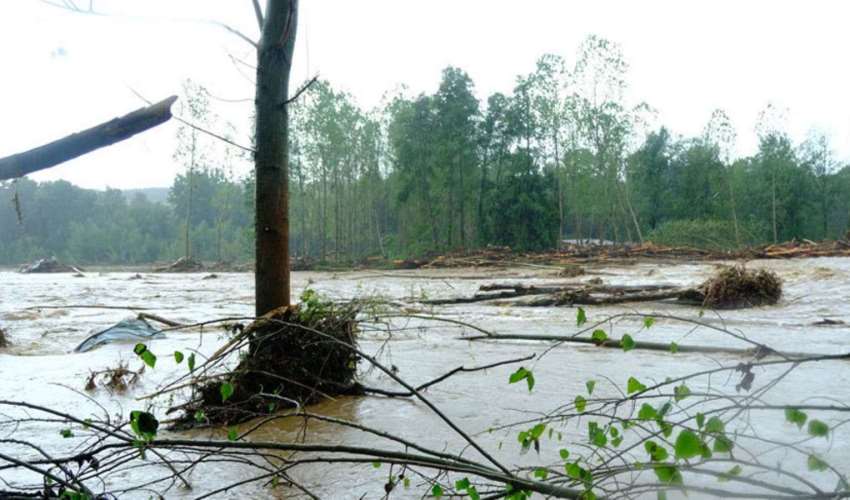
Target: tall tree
{"x": 271, "y": 158}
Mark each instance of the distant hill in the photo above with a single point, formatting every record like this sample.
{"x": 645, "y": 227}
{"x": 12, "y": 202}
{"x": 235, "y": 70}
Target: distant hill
{"x": 154, "y": 194}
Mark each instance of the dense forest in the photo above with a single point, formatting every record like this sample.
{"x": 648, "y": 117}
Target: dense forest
{"x": 564, "y": 155}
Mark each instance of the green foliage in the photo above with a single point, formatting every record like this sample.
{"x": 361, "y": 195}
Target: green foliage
{"x": 795, "y": 417}
{"x": 818, "y": 428}
{"x": 226, "y": 390}
{"x": 149, "y": 358}
{"x": 581, "y": 317}
{"x": 627, "y": 343}
{"x": 437, "y": 491}
{"x": 688, "y": 445}
{"x": 522, "y": 374}
{"x": 633, "y": 385}
{"x": 815, "y": 463}
{"x": 599, "y": 336}
{"x": 580, "y": 403}
{"x": 590, "y": 385}
{"x": 178, "y": 357}
{"x": 144, "y": 425}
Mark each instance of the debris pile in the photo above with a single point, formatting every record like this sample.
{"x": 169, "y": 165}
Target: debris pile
{"x": 292, "y": 356}
{"x": 738, "y": 287}
{"x": 49, "y": 265}
{"x": 114, "y": 379}
{"x": 182, "y": 265}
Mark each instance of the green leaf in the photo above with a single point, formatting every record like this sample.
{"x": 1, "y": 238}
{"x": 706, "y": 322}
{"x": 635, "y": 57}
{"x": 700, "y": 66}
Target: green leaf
{"x": 66, "y": 433}
{"x": 715, "y": 425}
{"x": 723, "y": 444}
{"x": 668, "y": 474}
{"x": 226, "y": 390}
{"x": 634, "y": 385}
{"x": 597, "y": 436}
{"x": 647, "y": 412}
{"x": 661, "y": 495}
{"x": 581, "y": 317}
{"x": 191, "y": 362}
{"x": 580, "y": 403}
{"x": 148, "y": 357}
{"x": 590, "y": 384}
{"x": 681, "y": 392}
{"x": 648, "y": 322}
{"x": 818, "y": 428}
{"x": 541, "y": 473}
{"x": 144, "y": 424}
{"x": 688, "y": 445}
{"x": 814, "y": 463}
{"x": 178, "y": 357}
{"x": 376, "y": 464}
{"x": 674, "y": 347}
{"x": 574, "y": 470}
{"x": 627, "y": 343}
{"x": 700, "y": 420}
{"x": 406, "y": 483}
{"x": 796, "y": 417}
{"x": 537, "y": 431}
{"x": 437, "y": 491}
{"x": 522, "y": 374}
{"x": 565, "y": 454}
{"x": 728, "y": 475}
{"x": 200, "y": 416}
{"x": 599, "y": 336}
{"x": 232, "y": 434}
{"x": 656, "y": 452}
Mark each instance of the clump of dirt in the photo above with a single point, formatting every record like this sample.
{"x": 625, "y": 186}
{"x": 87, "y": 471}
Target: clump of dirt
{"x": 738, "y": 287}
{"x": 116, "y": 379}
{"x": 296, "y": 356}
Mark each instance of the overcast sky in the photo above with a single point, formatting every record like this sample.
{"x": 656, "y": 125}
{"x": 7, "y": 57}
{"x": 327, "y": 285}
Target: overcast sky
{"x": 64, "y": 71}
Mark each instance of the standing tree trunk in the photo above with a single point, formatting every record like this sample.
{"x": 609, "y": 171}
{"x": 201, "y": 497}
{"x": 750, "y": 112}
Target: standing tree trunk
{"x": 271, "y": 159}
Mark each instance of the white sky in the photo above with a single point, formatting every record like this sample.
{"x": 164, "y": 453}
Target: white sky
{"x": 63, "y": 71}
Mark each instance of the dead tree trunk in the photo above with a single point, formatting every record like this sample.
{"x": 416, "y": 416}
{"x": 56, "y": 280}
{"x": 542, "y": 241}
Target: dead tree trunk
{"x": 74, "y": 145}
{"x": 271, "y": 159}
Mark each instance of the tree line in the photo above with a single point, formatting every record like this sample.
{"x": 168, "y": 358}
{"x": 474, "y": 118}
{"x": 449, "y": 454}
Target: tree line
{"x": 564, "y": 155}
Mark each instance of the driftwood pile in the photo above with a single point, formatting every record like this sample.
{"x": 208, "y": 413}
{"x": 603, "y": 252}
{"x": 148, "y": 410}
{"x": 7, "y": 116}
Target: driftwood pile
{"x": 572, "y": 254}
{"x": 732, "y": 288}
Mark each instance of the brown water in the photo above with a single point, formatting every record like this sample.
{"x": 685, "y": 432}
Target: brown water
{"x": 40, "y": 368}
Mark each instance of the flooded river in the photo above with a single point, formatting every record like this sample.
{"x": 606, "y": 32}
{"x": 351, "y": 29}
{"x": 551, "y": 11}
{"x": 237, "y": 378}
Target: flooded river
{"x": 45, "y": 318}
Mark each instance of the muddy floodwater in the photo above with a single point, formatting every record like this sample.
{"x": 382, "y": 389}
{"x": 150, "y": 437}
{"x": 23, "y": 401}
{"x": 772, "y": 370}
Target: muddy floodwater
{"x": 43, "y": 320}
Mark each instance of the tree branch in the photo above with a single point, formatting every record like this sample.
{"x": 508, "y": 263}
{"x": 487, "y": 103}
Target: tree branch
{"x": 86, "y": 141}
{"x": 259, "y": 12}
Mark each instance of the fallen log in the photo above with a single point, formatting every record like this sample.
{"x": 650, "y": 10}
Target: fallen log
{"x": 86, "y": 141}
{"x": 586, "y": 294}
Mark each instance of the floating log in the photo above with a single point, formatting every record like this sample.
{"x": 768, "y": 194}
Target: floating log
{"x": 731, "y": 288}
{"x": 86, "y": 141}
